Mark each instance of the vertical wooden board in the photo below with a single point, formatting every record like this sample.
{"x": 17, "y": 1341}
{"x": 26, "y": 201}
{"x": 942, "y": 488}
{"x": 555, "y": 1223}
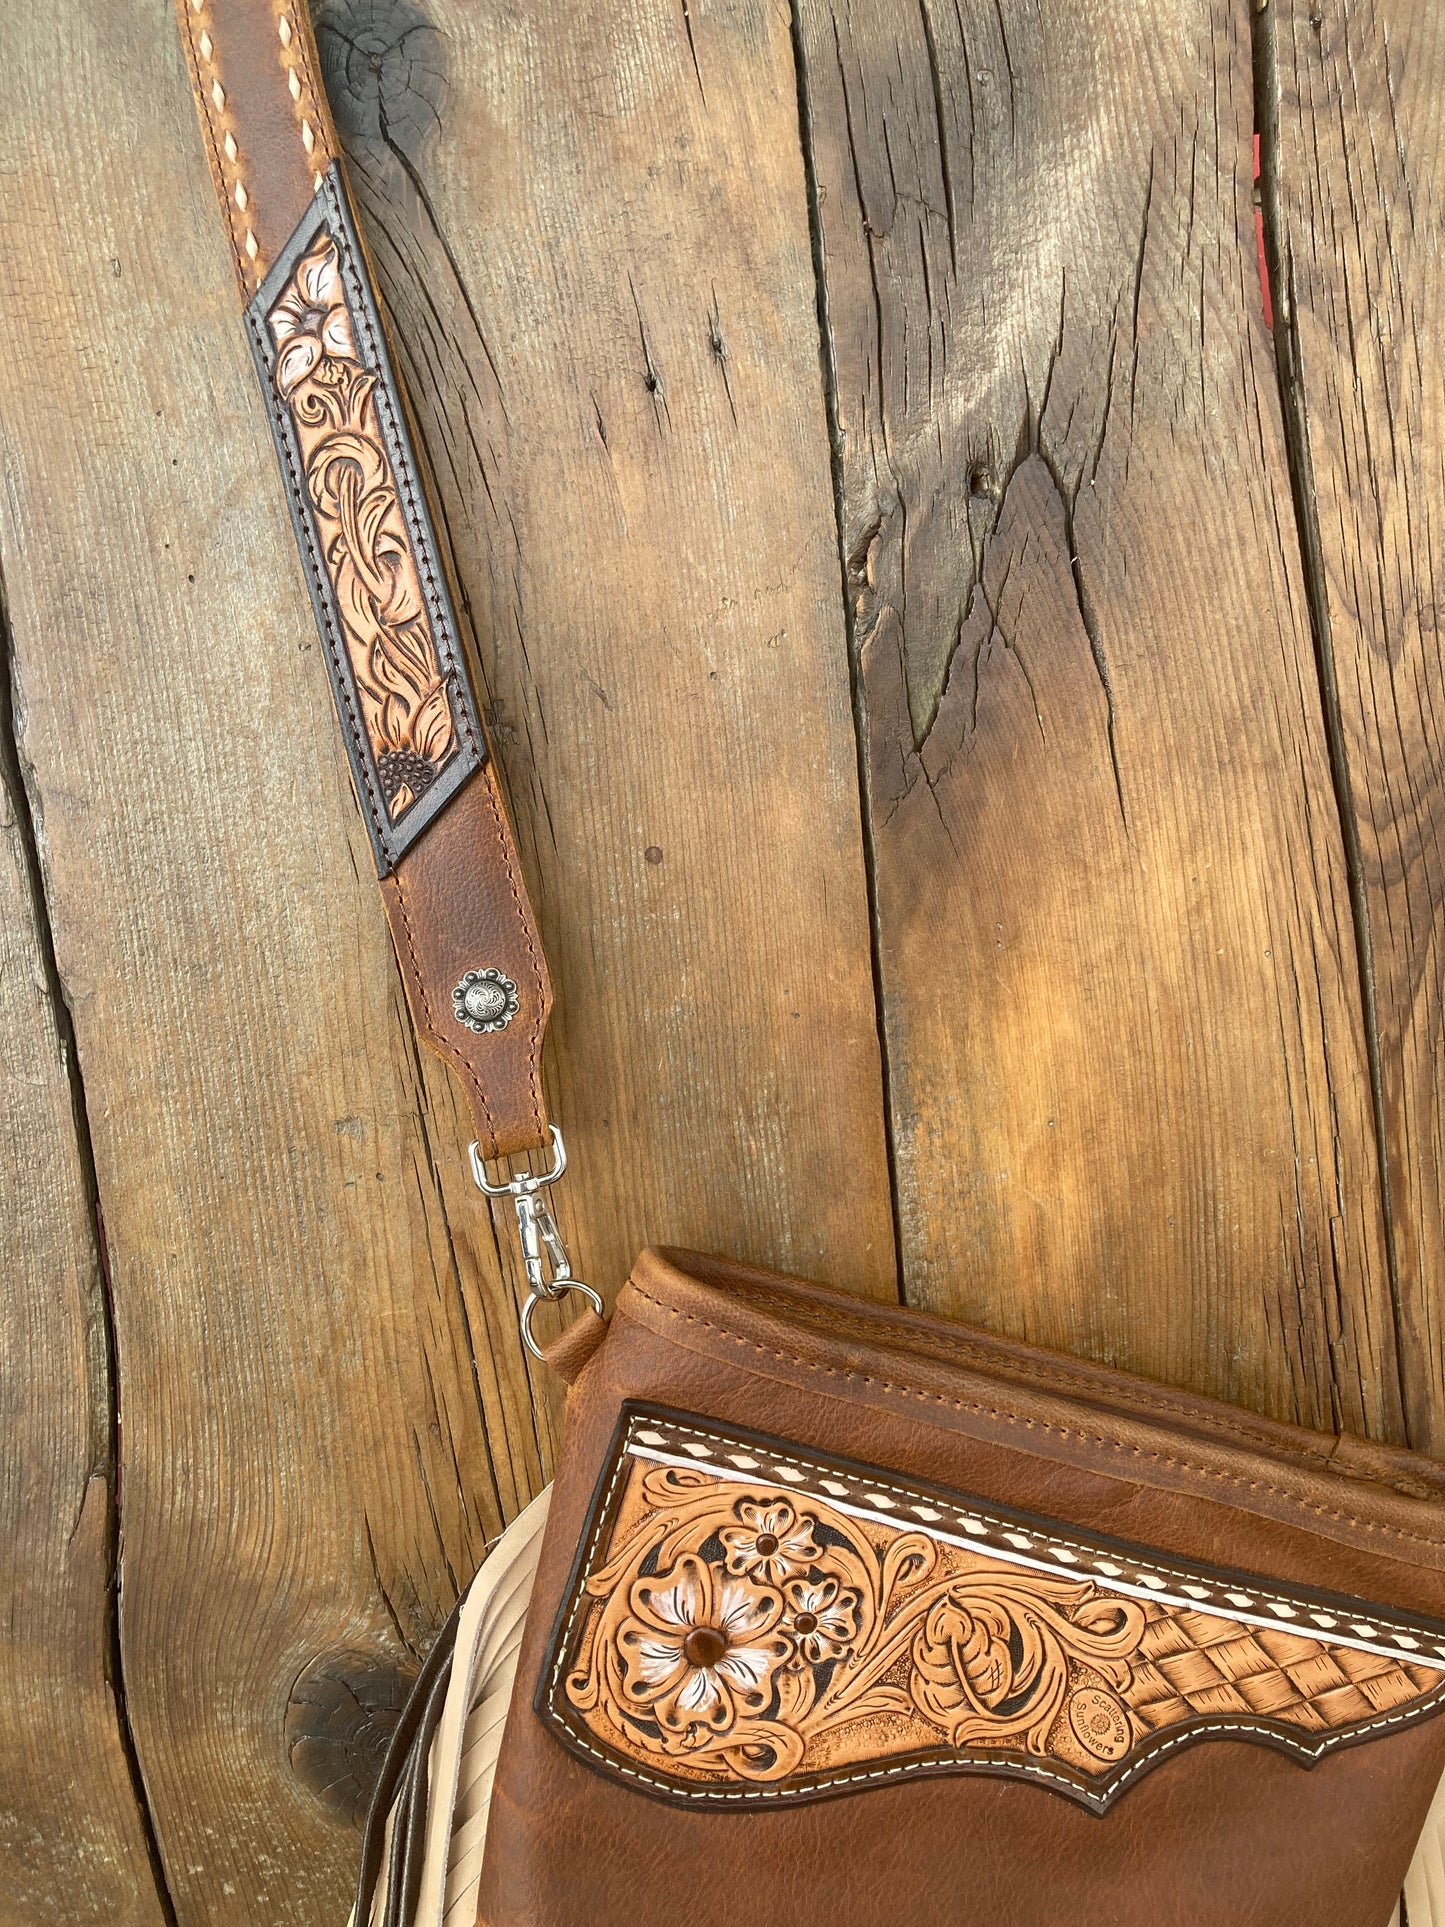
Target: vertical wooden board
{"x": 1355, "y": 172}
{"x": 591, "y": 228}
{"x": 324, "y": 1408}
{"x": 72, "y": 1837}
{"x": 323, "y": 1402}
{"x": 1126, "y": 1054}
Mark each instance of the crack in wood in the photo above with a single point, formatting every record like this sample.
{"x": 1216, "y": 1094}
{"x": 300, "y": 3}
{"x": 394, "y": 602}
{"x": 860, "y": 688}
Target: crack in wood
{"x": 692, "y": 49}
{"x": 1295, "y": 412}
{"x": 852, "y": 565}
{"x": 101, "y": 1351}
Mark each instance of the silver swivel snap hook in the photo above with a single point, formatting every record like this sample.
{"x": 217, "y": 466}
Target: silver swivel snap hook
{"x": 544, "y": 1256}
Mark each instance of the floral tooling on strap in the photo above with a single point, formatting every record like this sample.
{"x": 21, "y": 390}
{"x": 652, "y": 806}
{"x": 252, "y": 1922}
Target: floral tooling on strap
{"x": 751, "y": 1625}
{"x": 377, "y": 581}
{"x": 405, "y": 700}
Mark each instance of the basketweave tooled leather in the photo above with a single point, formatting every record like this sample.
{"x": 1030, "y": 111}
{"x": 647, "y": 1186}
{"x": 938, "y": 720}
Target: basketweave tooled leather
{"x": 1065, "y": 1731}
{"x": 450, "y": 880}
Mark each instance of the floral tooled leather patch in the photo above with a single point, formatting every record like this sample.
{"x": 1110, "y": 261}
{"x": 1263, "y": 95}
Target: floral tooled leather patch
{"x": 367, "y": 542}
{"x": 400, "y": 682}
{"x": 751, "y": 1625}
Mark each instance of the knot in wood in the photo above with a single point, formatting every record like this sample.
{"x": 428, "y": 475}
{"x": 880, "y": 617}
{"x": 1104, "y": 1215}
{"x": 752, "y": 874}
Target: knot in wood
{"x": 340, "y": 1716}
{"x": 384, "y": 66}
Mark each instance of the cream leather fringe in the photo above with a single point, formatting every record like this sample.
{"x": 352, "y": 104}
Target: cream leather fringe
{"x": 464, "y": 1752}
{"x": 469, "y": 1736}
{"x": 1425, "y": 1882}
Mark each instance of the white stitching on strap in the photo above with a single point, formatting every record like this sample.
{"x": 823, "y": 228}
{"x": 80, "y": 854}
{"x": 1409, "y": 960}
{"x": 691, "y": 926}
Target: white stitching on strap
{"x": 302, "y": 86}
{"x": 225, "y": 155}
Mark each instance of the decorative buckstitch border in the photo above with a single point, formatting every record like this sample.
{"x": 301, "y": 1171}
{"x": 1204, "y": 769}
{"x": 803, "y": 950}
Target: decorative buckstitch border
{"x": 649, "y": 1435}
{"x": 996, "y": 1534}
{"x": 228, "y": 168}
{"x": 391, "y": 835}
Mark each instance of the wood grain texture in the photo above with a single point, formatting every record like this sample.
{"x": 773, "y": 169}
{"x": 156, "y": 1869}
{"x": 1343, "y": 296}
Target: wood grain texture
{"x": 324, "y": 1411}
{"x": 1134, "y": 1068}
{"x": 594, "y": 242}
{"x": 72, "y": 1835}
{"x": 324, "y": 1407}
{"x": 1354, "y": 183}
{"x": 1129, "y": 1079}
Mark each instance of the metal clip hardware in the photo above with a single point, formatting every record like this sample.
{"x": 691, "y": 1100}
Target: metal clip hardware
{"x": 544, "y": 1256}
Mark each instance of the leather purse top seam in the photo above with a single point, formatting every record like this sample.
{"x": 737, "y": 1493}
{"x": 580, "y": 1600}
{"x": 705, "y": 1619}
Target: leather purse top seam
{"x": 1059, "y": 1379}
{"x": 1042, "y": 1425}
{"x": 1056, "y": 1377}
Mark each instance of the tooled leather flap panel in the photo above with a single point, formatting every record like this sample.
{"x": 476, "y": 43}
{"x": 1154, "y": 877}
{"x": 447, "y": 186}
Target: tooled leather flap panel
{"x": 751, "y": 1624}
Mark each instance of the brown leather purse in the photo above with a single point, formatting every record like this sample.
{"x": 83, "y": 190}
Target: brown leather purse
{"x": 842, "y": 1612}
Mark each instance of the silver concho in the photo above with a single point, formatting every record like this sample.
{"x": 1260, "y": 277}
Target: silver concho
{"x": 485, "y": 1000}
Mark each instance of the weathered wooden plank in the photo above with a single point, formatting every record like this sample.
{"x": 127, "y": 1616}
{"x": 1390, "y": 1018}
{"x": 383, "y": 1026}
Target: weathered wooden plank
{"x": 1354, "y": 174}
{"x": 1131, "y": 1093}
{"x": 593, "y": 233}
{"x": 324, "y": 1411}
{"x": 324, "y": 1406}
{"x": 72, "y": 1834}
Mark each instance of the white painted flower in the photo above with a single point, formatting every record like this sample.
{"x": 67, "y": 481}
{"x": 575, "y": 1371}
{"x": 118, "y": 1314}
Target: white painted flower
{"x": 699, "y": 1649}
{"x": 310, "y": 324}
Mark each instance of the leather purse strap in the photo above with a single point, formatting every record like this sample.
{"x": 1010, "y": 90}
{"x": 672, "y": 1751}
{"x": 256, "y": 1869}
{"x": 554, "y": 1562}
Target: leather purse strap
{"x": 464, "y": 931}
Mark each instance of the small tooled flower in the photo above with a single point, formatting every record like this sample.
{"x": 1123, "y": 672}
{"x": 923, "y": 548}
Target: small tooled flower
{"x": 771, "y": 1544}
{"x": 821, "y": 1617}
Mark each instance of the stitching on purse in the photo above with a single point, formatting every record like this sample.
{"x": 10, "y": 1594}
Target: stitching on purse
{"x": 1087, "y": 1552}
{"x": 713, "y": 1795}
{"x": 1015, "y": 1767}
{"x": 1042, "y": 1425}
{"x": 1060, "y": 1375}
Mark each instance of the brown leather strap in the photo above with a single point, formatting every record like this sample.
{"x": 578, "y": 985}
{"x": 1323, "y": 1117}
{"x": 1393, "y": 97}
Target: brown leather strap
{"x": 463, "y": 928}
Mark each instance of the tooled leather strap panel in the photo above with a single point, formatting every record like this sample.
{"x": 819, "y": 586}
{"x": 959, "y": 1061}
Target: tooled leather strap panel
{"x": 463, "y": 928}
{"x": 751, "y": 1625}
